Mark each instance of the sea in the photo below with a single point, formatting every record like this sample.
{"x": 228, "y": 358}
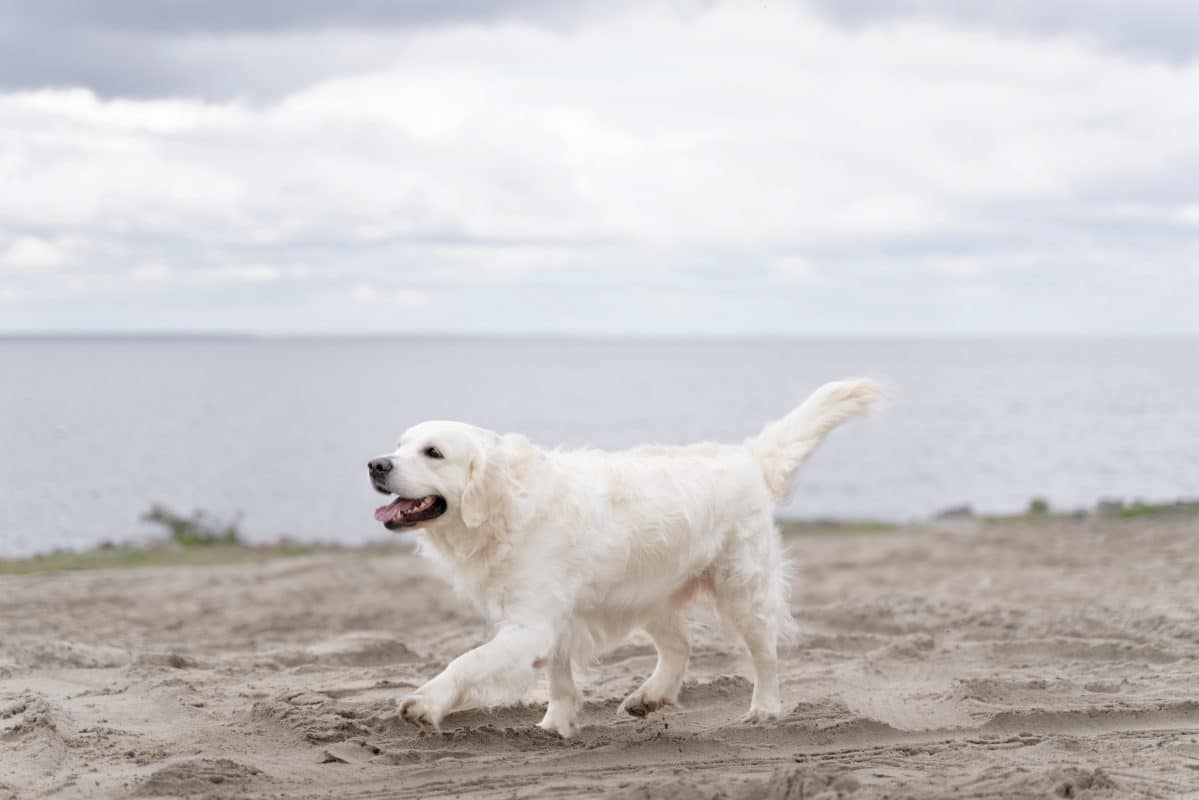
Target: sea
{"x": 274, "y": 433}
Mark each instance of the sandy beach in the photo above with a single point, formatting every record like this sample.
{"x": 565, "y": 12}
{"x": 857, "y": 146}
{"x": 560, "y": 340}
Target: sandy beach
{"x": 964, "y": 659}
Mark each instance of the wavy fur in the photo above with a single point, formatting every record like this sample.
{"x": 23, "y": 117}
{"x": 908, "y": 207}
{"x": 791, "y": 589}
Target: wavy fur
{"x": 565, "y": 553}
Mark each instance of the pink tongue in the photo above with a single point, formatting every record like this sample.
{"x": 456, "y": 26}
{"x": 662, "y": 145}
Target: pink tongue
{"x": 391, "y": 510}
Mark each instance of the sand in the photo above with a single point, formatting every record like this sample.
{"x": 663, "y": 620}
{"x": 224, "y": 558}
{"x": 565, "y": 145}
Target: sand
{"x": 961, "y": 659}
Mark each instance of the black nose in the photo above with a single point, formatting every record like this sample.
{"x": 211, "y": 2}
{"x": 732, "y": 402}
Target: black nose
{"x": 379, "y": 466}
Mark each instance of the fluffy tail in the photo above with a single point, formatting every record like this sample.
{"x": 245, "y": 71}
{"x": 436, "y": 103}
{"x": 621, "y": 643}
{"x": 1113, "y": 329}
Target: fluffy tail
{"x": 785, "y": 444}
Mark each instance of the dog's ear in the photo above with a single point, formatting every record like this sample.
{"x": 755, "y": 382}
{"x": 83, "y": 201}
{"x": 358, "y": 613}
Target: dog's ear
{"x": 477, "y": 495}
{"x": 502, "y": 467}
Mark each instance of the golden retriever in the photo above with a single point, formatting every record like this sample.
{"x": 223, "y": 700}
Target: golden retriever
{"x": 566, "y": 552}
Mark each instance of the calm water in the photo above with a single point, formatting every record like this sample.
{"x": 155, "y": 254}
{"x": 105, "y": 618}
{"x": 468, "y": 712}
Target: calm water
{"x": 93, "y": 432}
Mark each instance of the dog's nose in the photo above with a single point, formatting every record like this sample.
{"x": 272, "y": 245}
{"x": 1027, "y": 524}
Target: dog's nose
{"x": 379, "y": 466}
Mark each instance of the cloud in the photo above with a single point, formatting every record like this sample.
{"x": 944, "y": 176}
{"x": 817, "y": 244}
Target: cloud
{"x": 258, "y": 50}
{"x": 190, "y": 17}
{"x": 268, "y": 48}
{"x": 400, "y": 298}
{"x": 1152, "y": 28}
{"x": 792, "y": 267}
{"x": 548, "y": 176}
{"x": 150, "y": 273}
{"x": 246, "y": 273}
{"x": 32, "y": 252}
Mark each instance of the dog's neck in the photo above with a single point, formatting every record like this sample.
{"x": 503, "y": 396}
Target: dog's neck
{"x": 475, "y": 558}
{"x": 469, "y": 559}
{"x": 462, "y": 546}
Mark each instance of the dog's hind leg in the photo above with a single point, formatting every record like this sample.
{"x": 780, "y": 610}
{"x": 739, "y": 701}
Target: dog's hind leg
{"x": 662, "y": 687}
{"x": 563, "y": 709}
{"x": 762, "y": 641}
{"x": 750, "y": 589}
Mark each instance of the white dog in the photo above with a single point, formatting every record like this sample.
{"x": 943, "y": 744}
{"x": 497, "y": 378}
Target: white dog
{"x": 565, "y": 553}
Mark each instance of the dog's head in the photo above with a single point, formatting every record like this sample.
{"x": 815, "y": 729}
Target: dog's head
{"x": 441, "y": 471}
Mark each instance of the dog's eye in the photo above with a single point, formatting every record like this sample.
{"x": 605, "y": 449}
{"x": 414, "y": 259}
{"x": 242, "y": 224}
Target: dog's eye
{"x": 433, "y": 452}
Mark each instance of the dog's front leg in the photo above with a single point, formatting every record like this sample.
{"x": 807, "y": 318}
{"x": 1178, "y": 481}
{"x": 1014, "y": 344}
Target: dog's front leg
{"x": 561, "y": 714}
{"x": 501, "y": 670}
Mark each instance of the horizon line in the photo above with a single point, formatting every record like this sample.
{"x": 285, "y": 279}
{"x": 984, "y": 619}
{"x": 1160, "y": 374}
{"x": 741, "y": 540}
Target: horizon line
{"x": 250, "y": 335}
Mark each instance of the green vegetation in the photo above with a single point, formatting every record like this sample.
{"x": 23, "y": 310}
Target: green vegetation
{"x": 1139, "y": 509}
{"x": 153, "y": 555}
{"x": 832, "y": 527}
{"x": 1038, "y": 507}
{"x": 198, "y": 530}
{"x": 197, "y": 539}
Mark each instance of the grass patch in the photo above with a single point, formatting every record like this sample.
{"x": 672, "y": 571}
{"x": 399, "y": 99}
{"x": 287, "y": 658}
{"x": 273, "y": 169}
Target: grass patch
{"x": 1038, "y": 507}
{"x": 194, "y": 540}
{"x": 1038, "y": 510}
{"x": 154, "y": 555}
{"x": 197, "y": 530}
{"x": 833, "y": 527}
{"x": 1141, "y": 510}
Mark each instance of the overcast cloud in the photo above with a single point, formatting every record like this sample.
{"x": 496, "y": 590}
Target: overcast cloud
{"x": 714, "y": 168}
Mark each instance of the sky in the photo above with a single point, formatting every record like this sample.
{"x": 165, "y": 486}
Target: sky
{"x": 828, "y": 168}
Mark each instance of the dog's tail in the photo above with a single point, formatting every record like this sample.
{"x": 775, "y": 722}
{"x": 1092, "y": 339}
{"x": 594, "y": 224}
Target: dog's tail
{"x": 785, "y": 444}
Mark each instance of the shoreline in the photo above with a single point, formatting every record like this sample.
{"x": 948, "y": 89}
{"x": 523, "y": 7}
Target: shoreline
{"x": 211, "y": 551}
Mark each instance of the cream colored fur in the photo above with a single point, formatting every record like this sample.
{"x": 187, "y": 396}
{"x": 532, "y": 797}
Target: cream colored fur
{"x": 566, "y": 553}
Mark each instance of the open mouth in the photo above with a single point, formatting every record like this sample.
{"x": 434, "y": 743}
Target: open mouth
{"x": 404, "y": 512}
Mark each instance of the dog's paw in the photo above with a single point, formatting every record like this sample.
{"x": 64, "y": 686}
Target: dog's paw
{"x": 640, "y": 703}
{"x": 561, "y": 723}
{"x": 416, "y": 709}
{"x": 564, "y": 728}
{"x": 759, "y": 716}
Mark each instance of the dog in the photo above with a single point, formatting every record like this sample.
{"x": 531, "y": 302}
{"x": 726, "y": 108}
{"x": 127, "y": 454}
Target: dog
{"x": 566, "y": 552}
